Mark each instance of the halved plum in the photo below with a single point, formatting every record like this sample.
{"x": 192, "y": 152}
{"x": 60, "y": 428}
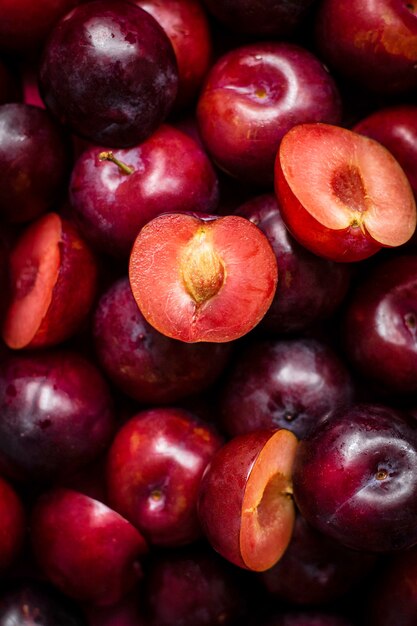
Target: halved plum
{"x": 53, "y": 281}
{"x": 245, "y": 502}
{"x": 202, "y": 278}
{"x": 343, "y": 196}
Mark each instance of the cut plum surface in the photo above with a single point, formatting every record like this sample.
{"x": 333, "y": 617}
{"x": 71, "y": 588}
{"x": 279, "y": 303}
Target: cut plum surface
{"x": 343, "y": 196}
{"x": 53, "y": 281}
{"x": 202, "y": 279}
{"x": 245, "y": 504}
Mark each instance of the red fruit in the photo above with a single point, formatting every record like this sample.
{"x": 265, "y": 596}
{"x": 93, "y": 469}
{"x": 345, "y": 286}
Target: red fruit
{"x": 343, "y": 196}
{"x": 53, "y": 282}
{"x": 212, "y": 279}
{"x": 12, "y": 525}
{"x": 86, "y": 549}
{"x": 245, "y": 503}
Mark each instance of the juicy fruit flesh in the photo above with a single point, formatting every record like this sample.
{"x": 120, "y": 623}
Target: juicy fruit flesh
{"x": 202, "y": 269}
{"x": 337, "y": 177}
{"x": 268, "y": 513}
{"x": 216, "y": 277}
{"x": 34, "y": 271}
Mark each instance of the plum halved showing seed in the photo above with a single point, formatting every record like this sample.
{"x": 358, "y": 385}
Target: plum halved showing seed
{"x": 202, "y": 278}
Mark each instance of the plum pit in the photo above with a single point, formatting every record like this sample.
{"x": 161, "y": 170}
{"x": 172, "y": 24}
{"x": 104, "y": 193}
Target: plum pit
{"x": 202, "y": 269}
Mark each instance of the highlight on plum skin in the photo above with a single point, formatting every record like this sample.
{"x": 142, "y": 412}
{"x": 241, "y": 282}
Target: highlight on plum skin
{"x": 343, "y": 196}
{"x": 208, "y": 279}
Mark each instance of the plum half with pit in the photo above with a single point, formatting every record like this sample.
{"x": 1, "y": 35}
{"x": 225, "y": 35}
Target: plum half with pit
{"x": 109, "y": 73}
{"x": 154, "y": 469}
{"x": 143, "y": 363}
{"x": 252, "y": 96}
{"x": 56, "y": 415}
{"x": 355, "y": 478}
{"x": 212, "y": 279}
{"x": 245, "y": 501}
{"x": 342, "y": 195}
{"x": 114, "y": 193}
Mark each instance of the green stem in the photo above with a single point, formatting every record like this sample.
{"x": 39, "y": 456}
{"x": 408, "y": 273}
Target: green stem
{"x": 109, "y": 156}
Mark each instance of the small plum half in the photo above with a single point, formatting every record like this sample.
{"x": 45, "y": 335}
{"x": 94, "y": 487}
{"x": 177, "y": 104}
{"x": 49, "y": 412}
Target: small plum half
{"x": 53, "y": 278}
{"x": 245, "y": 502}
{"x": 343, "y": 196}
{"x": 202, "y": 278}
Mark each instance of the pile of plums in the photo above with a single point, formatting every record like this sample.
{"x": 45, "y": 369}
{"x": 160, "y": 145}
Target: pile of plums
{"x": 208, "y": 322}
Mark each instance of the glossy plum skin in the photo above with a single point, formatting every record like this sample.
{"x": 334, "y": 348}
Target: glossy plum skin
{"x": 315, "y": 569}
{"x": 171, "y": 173}
{"x": 34, "y": 160}
{"x": 30, "y": 603}
{"x": 259, "y": 17}
{"x": 56, "y": 415}
{"x": 396, "y": 128}
{"x": 379, "y": 328}
{"x": 288, "y": 384}
{"x": 26, "y": 24}
{"x": 126, "y": 612}
{"x": 361, "y": 41}
{"x": 109, "y": 73}
{"x": 302, "y": 297}
{"x": 193, "y": 587}
{"x": 393, "y": 601}
{"x": 252, "y": 96}
{"x": 143, "y": 363}
{"x": 154, "y": 469}
{"x": 187, "y": 27}
{"x": 86, "y": 549}
{"x": 355, "y": 478}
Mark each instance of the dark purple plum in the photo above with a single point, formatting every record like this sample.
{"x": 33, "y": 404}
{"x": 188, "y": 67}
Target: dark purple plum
{"x": 315, "y": 569}
{"x": 260, "y": 17}
{"x": 37, "y": 603}
{"x": 145, "y": 364}
{"x": 124, "y": 613}
{"x": 393, "y": 599}
{"x": 288, "y": 384}
{"x": 303, "y": 297}
{"x": 396, "y": 128}
{"x": 380, "y": 326}
{"x": 115, "y": 193}
{"x": 56, "y": 415}
{"x": 109, "y": 73}
{"x": 193, "y": 587}
{"x": 355, "y": 478}
{"x": 34, "y": 161}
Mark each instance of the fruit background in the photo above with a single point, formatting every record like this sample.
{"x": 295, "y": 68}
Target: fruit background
{"x": 208, "y": 322}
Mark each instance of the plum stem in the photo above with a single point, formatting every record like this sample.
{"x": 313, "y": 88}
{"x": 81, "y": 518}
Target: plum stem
{"x": 109, "y": 156}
